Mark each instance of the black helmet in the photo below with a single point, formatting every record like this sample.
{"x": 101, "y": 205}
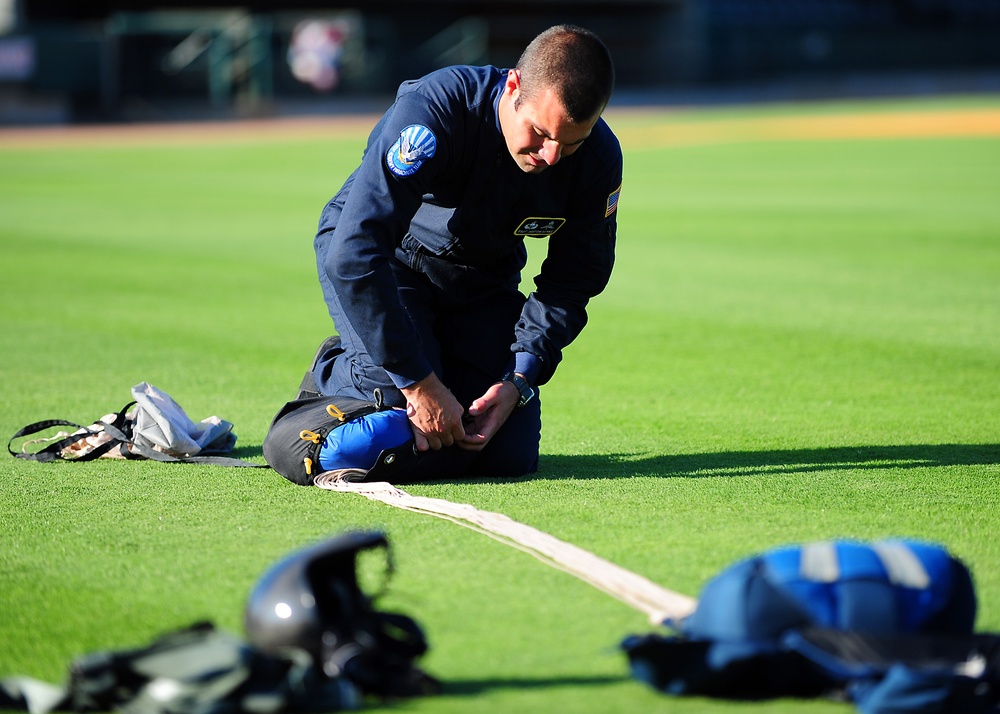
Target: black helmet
{"x": 310, "y": 600}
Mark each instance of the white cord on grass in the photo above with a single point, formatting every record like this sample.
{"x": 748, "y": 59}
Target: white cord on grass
{"x": 658, "y": 603}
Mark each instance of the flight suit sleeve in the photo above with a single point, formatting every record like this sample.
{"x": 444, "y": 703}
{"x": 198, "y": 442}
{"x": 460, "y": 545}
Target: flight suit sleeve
{"x": 358, "y": 235}
{"x": 577, "y": 267}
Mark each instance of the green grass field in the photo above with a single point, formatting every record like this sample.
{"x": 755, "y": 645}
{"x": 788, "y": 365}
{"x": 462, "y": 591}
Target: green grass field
{"x": 801, "y": 341}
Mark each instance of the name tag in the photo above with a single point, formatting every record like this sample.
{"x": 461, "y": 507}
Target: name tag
{"x": 538, "y": 227}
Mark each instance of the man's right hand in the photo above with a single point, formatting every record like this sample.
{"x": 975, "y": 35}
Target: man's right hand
{"x": 434, "y": 413}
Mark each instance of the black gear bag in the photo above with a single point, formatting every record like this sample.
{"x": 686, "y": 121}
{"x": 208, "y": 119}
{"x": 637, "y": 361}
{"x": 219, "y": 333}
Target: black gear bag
{"x": 197, "y": 670}
{"x": 297, "y": 432}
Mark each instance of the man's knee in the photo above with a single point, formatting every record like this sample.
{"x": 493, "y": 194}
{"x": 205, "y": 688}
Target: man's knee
{"x": 514, "y": 449}
{"x": 507, "y": 463}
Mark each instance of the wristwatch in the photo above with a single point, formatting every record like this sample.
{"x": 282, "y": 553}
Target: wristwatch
{"x": 526, "y": 391}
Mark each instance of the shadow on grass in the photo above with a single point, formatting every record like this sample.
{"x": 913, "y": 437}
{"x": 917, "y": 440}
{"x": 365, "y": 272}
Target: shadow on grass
{"x": 247, "y": 453}
{"x": 746, "y": 463}
{"x": 471, "y": 687}
{"x": 782, "y": 461}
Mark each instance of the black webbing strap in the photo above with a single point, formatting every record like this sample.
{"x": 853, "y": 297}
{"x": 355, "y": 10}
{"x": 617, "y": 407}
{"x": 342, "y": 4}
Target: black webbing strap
{"x": 139, "y": 451}
{"x": 54, "y": 450}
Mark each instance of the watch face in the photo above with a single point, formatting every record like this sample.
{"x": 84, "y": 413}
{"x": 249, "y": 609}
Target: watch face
{"x": 526, "y": 391}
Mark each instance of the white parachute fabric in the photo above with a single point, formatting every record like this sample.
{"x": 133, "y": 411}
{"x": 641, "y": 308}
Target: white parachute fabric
{"x": 162, "y": 425}
{"x": 657, "y": 602}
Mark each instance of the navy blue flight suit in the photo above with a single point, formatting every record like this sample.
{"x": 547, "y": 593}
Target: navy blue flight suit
{"x": 420, "y": 257}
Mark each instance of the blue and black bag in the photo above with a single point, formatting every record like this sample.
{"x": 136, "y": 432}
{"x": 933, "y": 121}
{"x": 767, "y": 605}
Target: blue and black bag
{"x": 313, "y": 434}
{"x": 888, "y": 625}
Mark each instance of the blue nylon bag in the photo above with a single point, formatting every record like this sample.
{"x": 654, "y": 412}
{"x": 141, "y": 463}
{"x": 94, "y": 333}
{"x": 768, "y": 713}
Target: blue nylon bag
{"x": 836, "y": 616}
{"x": 358, "y": 443}
{"x": 892, "y": 586}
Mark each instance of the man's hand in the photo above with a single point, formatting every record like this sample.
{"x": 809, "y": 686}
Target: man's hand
{"x": 487, "y": 414}
{"x": 434, "y": 413}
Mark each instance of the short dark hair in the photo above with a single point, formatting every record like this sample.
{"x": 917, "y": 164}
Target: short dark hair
{"x": 575, "y": 63}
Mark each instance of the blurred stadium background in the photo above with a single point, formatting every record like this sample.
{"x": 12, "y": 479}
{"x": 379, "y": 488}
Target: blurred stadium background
{"x": 72, "y": 61}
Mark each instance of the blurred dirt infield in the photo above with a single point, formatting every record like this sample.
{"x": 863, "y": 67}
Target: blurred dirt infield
{"x": 637, "y": 128}
{"x": 883, "y": 124}
{"x": 189, "y": 133}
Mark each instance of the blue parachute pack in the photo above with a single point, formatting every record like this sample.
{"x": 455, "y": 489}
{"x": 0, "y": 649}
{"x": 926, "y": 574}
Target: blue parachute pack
{"x": 886, "y": 625}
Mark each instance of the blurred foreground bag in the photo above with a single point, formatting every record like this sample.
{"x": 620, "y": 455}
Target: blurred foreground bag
{"x": 152, "y": 426}
{"x": 316, "y": 642}
{"x": 197, "y": 670}
{"x": 887, "y": 625}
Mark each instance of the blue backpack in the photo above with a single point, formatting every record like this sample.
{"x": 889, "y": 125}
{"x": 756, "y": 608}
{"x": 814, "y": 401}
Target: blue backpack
{"x": 888, "y": 625}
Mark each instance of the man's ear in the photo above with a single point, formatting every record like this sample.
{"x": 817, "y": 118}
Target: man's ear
{"x": 513, "y": 83}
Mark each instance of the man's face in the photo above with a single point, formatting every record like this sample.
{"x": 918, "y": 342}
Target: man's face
{"x": 538, "y": 132}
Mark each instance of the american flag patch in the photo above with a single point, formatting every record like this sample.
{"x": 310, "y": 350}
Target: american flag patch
{"x": 613, "y": 201}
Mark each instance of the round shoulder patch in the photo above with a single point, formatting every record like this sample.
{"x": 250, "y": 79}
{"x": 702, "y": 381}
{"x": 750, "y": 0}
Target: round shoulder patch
{"x": 416, "y": 144}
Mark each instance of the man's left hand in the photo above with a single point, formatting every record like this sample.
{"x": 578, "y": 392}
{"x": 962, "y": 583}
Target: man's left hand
{"x": 487, "y": 414}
